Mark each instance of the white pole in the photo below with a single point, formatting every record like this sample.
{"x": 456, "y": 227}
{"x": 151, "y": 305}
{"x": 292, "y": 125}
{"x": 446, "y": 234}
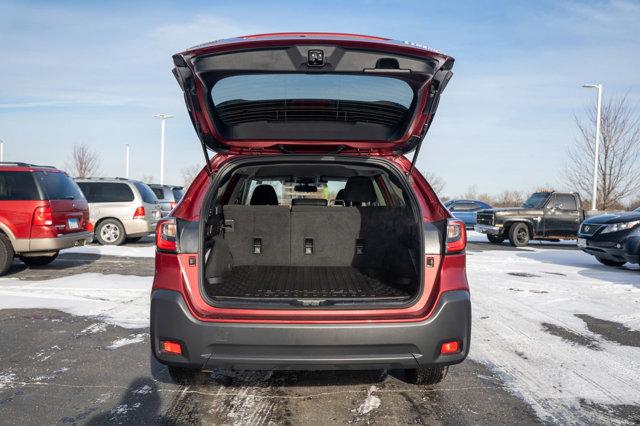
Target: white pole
{"x": 162, "y": 152}
{"x": 596, "y": 156}
{"x": 162, "y": 118}
{"x": 126, "y": 173}
{"x": 1, "y": 151}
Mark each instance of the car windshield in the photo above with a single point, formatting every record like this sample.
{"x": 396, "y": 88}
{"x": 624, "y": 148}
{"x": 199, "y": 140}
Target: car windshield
{"x": 536, "y": 200}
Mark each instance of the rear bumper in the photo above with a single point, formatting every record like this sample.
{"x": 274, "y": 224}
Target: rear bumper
{"x": 139, "y": 227}
{"x": 486, "y": 229}
{"x": 54, "y": 243}
{"x": 257, "y": 346}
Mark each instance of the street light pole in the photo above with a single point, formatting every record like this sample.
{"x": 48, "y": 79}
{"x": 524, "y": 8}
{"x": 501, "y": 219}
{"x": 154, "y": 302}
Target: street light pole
{"x": 1, "y": 150}
{"x": 595, "y": 154}
{"x": 126, "y": 172}
{"x": 163, "y": 118}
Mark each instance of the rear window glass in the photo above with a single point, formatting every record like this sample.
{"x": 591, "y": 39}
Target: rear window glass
{"x": 287, "y": 191}
{"x": 341, "y": 87}
{"x": 312, "y": 106}
{"x": 178, "y": 193}
{"x": 18, "y": 186}
{"x": 566, "y": 202}
{"x": 106, "y": 192}
{"x": 159, "y": 192}
{"x": 147, "y": 194}
{"x": 59, "y": 186}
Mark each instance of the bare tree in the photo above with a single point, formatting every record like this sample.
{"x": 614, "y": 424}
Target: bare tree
{"x": 436, "y": 182}
{"x": 189, "y": 174}
{"x": 619, "y": 156}
{"x": 509, "y": 199}
{"x": 84, "y": 162}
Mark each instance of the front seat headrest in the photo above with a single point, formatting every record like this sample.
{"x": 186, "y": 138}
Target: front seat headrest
{"x": 340, "y": 195}
{"x": 264, "y": 195}
{"x": 321, "y": 202}
{"x": 359, "y": 189}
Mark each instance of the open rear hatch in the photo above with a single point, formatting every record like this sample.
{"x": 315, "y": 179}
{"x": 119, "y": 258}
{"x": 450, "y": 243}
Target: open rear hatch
{"x": 295, "y": 93}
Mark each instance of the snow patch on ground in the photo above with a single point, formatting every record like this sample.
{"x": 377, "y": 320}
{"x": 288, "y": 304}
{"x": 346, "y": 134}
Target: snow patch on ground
{"x": 115, "y": 299}
{"x": 555, "y": 375}
{"x": 370, "y": 403}
{"x": 133, "y": 338}
{"x": 6, "y": 379}
{"x": 122, "y": 251}
{"x": 97, "y": 327}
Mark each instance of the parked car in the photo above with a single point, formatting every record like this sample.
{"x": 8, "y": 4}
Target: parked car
{"x": 120, "y": 209}
{"x": 614, "y": 239}
{"x": 245, "y": 282}
{"x": 466, "y": 210}
{"x": 42, "y": 211}
{"x": 549, "y": 216}
{"x": 168, "y": 196}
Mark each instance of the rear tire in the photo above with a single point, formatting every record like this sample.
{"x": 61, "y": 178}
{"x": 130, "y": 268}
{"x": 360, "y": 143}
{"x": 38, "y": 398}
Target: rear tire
{"x": 110, "y": 232}
{"x": 494, "y": 239}
{"x": 519, "y": 235}
{"x": 426, "y": 375}
{"x": 610, "y": 262}
{"x": 6, "y": 254}
{"x": 188, "y": 376}
{"x": 38, "y": 260}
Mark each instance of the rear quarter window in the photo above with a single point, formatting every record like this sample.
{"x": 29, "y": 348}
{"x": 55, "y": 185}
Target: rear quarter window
{"x": 146, "y": 193}
{"x": 58, "y": 186}
{"x": 178, "y": 193}
{"x": 18, "y": 186}
{"x": 106, "y": 192}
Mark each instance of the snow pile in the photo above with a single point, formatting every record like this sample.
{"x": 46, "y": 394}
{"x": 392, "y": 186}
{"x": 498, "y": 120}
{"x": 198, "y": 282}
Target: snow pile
{"x": 115, "y": 299}
{"x": 520, "y": 296}
{"x": 370, "y": 403}
{"x": 122, "y": 251}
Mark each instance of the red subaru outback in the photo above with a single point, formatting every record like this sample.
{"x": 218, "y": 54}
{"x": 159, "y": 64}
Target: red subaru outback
{"x": 42, "y": 211}
{"x": 310, "y": 241}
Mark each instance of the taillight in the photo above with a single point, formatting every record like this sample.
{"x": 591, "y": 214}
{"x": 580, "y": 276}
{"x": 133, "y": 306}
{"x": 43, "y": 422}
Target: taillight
{"x": 43, "y": 216}
{"x": 166, "y": 235}
{"x": 139, "y": 213}
{"x": 171, "y": 347}
{"x": 172, "y": 205}
{"x": 456, "y": 236}
{"x": 90, "y": 227}
{"x": 448, "y": 348}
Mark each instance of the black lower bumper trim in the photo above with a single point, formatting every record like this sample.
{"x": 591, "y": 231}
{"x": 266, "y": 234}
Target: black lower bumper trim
{"x": 210, "y": 345}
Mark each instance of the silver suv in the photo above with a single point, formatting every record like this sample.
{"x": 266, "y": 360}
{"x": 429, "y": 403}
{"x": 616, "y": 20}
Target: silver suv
{"x": 120, "y": 209}
{"x": 168, "y": 195}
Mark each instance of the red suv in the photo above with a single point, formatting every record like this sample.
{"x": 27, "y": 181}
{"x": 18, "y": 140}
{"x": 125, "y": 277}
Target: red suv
{"x": 310, "y": 241}
{"x": 42, "y": 211}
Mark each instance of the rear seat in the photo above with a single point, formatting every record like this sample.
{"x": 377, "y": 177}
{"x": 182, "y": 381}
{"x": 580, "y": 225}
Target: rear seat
{"x": 316, "y": 235}
{"x": 261, "y": 235}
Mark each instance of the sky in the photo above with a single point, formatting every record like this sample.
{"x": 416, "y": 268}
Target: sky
{"x": 97, "y": 72}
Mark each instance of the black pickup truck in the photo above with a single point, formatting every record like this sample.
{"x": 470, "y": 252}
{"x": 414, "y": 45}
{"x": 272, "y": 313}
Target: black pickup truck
{"x": 548, "y": 216}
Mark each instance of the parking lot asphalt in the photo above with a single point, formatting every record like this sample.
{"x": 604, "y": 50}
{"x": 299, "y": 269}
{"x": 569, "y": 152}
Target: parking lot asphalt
{"x": 61, "y": 368}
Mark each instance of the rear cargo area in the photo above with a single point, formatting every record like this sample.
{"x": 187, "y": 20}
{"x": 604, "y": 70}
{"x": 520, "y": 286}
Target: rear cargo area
{"x": 315, "y": 251}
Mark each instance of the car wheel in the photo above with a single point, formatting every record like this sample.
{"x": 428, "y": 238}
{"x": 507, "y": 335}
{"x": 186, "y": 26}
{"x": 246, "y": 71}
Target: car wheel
{"x": 426, "y": 375}
{"x": 610, "y": 262}
{"x": 6, "y": 254}
{"x": 188, "y": 376}
{"x": 31, "y": 261}
{"x": 519, "y": 235}
{"x": 110, "y": 232}
{"x": 494, "y": 239}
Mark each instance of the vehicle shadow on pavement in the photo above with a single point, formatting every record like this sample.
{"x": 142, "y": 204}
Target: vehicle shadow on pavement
{"x": 139, "y": 404}
{"x": 61, "y": 263}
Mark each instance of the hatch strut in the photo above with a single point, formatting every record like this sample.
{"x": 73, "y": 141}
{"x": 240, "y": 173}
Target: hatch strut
{"x": 432, "y": 105}
{"x": 207, "y": 164}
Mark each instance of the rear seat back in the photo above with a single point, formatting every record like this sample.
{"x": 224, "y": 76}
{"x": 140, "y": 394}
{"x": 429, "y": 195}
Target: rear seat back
{"x": 261, "y": 235}
{"x": 323, "y": 236}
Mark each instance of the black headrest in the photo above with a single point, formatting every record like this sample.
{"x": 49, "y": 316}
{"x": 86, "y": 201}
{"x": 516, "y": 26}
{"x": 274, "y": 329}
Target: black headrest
{"x": 359, "y": 189}
{"x": 264, "y": 195}
{"x": 340, "y": 195}
{"x": 309, "y": 202}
